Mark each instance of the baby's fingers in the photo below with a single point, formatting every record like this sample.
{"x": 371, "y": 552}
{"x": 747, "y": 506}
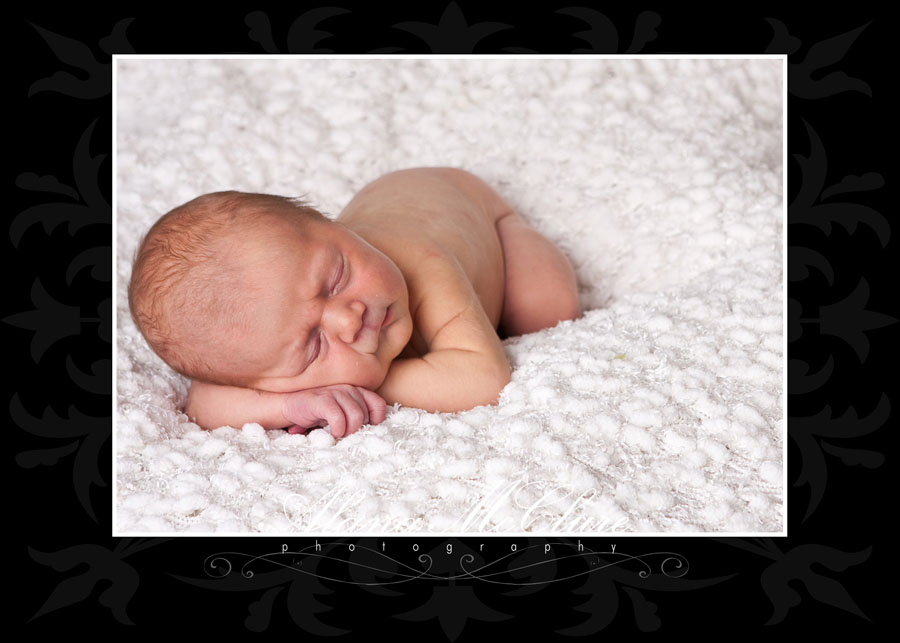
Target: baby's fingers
{"x": 337, "y": 421}
{"x": 377, "y": 406}
{"x": 355, "y": 412}
{"x": 358, "y": 402}
{"x": 332, "y": 415}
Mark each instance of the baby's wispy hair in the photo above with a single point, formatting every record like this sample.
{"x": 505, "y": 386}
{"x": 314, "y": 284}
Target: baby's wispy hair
{"x": 176, "y": 294}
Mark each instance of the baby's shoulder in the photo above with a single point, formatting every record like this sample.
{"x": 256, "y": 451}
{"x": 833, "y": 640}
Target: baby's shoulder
{"x": 442, "y": 293}
{"x": 439, "y": 226}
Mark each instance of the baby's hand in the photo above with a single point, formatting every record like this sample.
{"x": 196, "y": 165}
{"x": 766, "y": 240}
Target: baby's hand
{"x": 343, "y": 407}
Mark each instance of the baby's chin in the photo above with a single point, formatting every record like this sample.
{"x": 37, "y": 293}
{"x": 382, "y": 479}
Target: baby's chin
{"x": 371, "y": 380}
{"x": 372, "y": 375}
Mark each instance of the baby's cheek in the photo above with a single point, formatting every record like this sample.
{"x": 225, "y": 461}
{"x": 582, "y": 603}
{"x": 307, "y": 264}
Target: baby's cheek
{"x": 371, "y": 375}
{"x": 376, "y": 378}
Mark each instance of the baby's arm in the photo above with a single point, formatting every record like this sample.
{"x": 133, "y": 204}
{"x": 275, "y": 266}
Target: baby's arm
{"x": 342, "y": 407}
{"x": 212, "y": 406}
{"x": 466, "y": 366}
{"x": 446, "y": 381}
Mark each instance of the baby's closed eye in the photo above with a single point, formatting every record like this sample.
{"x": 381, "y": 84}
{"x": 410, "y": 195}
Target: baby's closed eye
{"x": 342, "y": 272}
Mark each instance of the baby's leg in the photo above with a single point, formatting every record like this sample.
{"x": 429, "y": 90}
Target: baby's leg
{"x": 540, "y": 282}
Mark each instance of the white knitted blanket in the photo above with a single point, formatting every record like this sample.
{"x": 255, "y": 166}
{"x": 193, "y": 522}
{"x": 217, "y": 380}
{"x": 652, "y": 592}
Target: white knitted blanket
{"x": 661, "y": 410}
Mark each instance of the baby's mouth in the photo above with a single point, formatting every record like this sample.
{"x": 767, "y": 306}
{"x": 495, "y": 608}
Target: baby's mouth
{"x": 369, "y": 319}
{"x": 369, "y": 333}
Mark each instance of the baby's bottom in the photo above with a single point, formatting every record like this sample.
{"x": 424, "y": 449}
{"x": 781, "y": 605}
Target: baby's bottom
{"x": 540, "y": 282}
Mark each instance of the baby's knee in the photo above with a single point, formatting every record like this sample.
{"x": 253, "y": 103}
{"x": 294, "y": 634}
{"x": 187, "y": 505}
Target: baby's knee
{"x": 565, "y": 304}
{"x": 565, "y": 287}
{"x": 570, "y": 306}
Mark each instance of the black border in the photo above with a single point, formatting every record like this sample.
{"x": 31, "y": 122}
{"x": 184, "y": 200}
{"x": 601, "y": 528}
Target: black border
{"x": 58, "y": 317}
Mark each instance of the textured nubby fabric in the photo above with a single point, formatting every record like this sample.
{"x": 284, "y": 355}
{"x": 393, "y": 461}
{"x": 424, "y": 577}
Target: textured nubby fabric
{"x": 661, "y": 410}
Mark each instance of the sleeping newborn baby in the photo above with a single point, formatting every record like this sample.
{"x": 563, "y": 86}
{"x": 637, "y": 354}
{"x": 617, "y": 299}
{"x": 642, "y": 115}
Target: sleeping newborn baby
{"x": 283, "y": 317}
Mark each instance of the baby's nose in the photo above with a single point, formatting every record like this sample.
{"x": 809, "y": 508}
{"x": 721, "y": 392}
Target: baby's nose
{"x": 348, "y": 320}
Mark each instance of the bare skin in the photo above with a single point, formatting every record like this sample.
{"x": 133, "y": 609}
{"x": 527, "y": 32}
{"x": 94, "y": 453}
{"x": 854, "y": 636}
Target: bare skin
{"x": 402, "y": 296}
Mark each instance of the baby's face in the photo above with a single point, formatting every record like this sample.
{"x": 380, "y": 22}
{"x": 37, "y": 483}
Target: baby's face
{"x": 333, "y": 310}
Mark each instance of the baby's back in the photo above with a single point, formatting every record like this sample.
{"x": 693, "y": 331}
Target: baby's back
{"x": 423, "y": 215}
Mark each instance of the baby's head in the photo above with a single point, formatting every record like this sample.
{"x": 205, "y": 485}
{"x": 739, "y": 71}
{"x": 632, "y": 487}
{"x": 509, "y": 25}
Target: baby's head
{"x": 261, "y": 291}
